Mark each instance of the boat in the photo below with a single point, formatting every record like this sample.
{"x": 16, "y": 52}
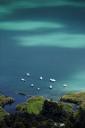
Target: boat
{"x": 41, "y": 77}
{"x": 28, "y": 74}
{"x": 32, "y": 85}
{"x": 38, "y": 89}
{"x": 50, "y": 86}
{"x": 65, "y": 85}
{"x": 22, "y": 79}
{"x": 52, "y": 80}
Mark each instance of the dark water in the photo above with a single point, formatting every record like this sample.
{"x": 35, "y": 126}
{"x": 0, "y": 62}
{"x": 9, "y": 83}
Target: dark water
{"x": 65, "y": 64}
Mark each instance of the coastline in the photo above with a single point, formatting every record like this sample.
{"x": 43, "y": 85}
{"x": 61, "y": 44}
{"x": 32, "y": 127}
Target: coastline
{"x": 44, "y": 109}
{"x": 22, "y": 98}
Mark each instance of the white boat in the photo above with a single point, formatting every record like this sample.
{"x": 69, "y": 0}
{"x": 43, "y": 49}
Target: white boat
{"x": 22, "y": 79}
{"x": 28, "y": 74}
{"x": 32, "y": 85}
{"x": 65, "y": 85}
{"x": 50, "y": 86}
{"x": 38, "y": 89}
{"x": 41, "y": 77}
{"x": 52, "y": 80}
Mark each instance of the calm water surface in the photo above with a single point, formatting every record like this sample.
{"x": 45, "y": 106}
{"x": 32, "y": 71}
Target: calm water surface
{"x": 61, "y": 61}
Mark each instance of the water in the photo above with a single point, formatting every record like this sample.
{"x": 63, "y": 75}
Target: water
{"x": 52, "y": 47}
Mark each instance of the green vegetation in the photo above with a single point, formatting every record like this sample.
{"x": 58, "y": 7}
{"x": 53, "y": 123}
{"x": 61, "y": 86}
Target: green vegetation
{"x": 68, "y": 107}
{"x": 39, "y": 112}
{"x": 5, "y": 100}
{"x": 77, "y": 98}
{"x": 33, "y": 105}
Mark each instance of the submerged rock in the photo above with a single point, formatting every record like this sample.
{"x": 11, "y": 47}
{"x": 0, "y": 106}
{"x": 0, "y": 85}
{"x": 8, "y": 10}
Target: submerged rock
{"x": 21, "y": 93}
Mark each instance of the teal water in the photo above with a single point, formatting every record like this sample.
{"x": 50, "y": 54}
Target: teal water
{"x": 48, "y": 42}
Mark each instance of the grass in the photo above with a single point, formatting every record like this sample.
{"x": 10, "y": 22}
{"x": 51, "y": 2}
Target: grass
{"x": 33, "y": 105}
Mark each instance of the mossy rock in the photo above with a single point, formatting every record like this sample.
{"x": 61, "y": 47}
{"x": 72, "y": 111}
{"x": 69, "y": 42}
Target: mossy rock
{"x": 5, "y": 100}
{"x": 33, "y": 106}
{"x": 76, "y": 98}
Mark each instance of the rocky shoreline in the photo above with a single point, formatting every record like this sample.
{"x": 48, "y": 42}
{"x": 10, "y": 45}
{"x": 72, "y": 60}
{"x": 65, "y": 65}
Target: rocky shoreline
{"x": 4, "y": 100}
{"x": 50, "y": 113}
{"x": 77, "y": 98}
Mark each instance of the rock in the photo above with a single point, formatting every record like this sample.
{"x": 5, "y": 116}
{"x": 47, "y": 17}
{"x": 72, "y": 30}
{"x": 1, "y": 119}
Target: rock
{"x": 76, "y": 98}
{"x": 33, "y": 105}
{"x": 4, "y": 100}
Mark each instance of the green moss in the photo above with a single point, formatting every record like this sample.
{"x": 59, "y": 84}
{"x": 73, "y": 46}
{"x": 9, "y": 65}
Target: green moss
{"x": 77, "y": 98}
{"x": 33, "y": 105}
{"x": 22, "y": 107}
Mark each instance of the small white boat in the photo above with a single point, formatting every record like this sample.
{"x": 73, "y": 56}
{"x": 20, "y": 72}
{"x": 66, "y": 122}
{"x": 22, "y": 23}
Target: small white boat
{"x": 38, "y": 89}
{"x": 65, "y": 85}
{"x": 22, "y": 79}
{"x": 41, "y": 77}
{"x": 28, "y": 74}
{"x": 50, "y": 86}
{"x": 32, "y": 85}
{"x": 52, "y": 80}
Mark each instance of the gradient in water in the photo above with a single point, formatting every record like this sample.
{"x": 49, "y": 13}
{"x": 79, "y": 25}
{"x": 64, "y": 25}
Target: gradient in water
{"x": 45, "y": 40}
